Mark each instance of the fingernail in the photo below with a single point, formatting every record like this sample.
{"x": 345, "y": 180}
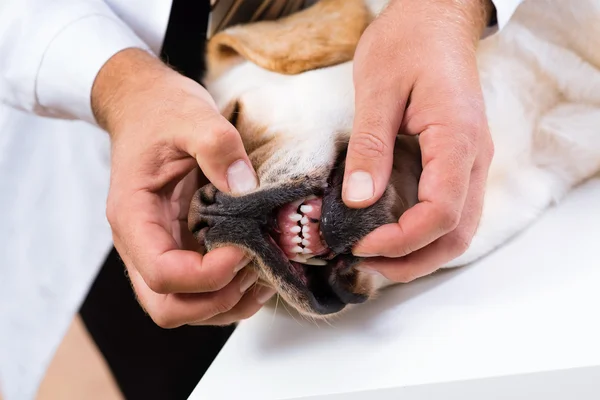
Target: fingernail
{"x": 369, "y": 271}
{"x": 240, "y": 178}
{"x": 248, "y": 280}
{"x": 359, "y": 186}
{"x": 242, "y": 264}
{"x": 265, "y": 294}
{"x": 359, "y": 254}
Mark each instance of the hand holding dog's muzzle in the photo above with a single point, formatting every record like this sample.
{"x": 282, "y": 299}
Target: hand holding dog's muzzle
{"x": 415, "y": 73}
{"x": 162, "y": 126}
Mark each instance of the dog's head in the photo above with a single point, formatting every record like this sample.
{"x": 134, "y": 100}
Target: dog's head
{"x": 287, "y": 87}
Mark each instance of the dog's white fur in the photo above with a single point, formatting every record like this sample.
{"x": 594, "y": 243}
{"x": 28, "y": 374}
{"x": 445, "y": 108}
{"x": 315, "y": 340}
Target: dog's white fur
{"x": 541, "y": 83}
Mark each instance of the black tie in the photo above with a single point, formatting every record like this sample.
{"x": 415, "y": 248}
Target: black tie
{"x": 185, "y": 37}
{"x": 191, "y": 22}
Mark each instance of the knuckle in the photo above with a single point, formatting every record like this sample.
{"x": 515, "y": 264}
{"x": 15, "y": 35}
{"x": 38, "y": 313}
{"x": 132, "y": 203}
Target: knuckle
{"x": 406, "y": 276}
{"x": 210, "y": 283}
{"x": 368, "y": 145}
{"x": 459, "y": 242}
{"x": 449, "y": 218}
{"x": 164, "y": 320}
{"x": 221, "y": 135}
{"x": 223, "y": 305}
{"x": 489, "y": 150}
{"x": 155, "y": 281}
{"x": 246, "y": 313}
{"x": 112, "y": 212}
{"x": 466, "y": 146}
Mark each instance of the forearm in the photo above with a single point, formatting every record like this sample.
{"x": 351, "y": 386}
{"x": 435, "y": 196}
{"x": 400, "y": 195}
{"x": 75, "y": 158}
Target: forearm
{"x": 51, "y": 52}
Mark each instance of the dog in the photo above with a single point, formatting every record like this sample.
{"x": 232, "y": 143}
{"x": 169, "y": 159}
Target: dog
{"x": 286, "y": 85}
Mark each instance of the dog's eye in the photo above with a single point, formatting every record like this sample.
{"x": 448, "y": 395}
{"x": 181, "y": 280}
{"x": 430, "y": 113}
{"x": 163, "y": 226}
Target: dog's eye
{"x": 235, "y": 113}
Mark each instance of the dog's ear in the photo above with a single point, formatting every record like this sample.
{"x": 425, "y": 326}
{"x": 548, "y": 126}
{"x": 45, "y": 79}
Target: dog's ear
{"x": 322, "y": 35}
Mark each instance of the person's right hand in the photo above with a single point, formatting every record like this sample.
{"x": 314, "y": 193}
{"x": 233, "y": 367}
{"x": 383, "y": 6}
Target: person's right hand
{"x": 162, "y": 127}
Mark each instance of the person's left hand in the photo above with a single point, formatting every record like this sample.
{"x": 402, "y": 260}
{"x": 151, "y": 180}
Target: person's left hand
{"x": 415, "y": 72}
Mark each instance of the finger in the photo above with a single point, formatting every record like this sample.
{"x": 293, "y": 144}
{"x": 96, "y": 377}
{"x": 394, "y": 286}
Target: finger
{"x": 430, "y": 258}
{"x": 250, "y": 304}
{"x": 164, "y": 267}
{"x": 379, "y": 106}
{"x": 217, "y": 147}
{"x": 174, "y": 310}
{"x": 444, "y": 183}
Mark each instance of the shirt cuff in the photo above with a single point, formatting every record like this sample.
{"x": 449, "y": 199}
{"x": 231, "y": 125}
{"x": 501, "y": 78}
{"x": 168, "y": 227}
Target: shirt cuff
{"x": 504, "y": 11}
{"x": 72, "y": 61}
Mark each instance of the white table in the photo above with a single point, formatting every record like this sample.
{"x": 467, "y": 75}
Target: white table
{"x": 522, "y": 324}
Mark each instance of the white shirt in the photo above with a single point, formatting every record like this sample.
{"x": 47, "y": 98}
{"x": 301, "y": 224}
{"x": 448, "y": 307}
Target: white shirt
{"x": 54, "y": 173}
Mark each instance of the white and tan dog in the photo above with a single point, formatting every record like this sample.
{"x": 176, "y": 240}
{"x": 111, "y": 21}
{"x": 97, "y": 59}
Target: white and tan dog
{"x": 287, "y": 87}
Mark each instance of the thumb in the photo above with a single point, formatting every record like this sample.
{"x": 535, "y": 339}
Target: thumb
{"x": 220, "y": 153}
{"x": 218, "y": 149}
{"x": 370, "y": 154}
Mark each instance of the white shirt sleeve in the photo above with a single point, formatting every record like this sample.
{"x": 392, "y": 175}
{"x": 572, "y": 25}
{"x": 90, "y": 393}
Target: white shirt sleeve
{"x": 505, "y": 10}
{"x": 51, "y": 52}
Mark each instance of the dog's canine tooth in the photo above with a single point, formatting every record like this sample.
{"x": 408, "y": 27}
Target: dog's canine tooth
{"x": 304, "y": 220}
{"x": 315, "y": 261}
{"x": 299, "y": 259}
{"x": 297, "y": 240}
{"x": 296, "y": 217}
{"x": 295, "y": 229}
{"x": 297, "y": 203}
{"x": 306, "y": 208}
{"x": 298, "y": 249}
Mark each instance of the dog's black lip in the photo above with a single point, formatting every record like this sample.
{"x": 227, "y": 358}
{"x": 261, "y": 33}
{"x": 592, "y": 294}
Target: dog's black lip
{"x": 325, "y": 293}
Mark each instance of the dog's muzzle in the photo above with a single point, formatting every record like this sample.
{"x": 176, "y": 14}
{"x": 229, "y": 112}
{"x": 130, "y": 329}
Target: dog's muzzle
{"x": 300, "y": 233}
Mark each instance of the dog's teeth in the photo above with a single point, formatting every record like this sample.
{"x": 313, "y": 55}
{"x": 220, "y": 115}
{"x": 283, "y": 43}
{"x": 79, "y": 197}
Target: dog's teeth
{"x": 315, "y": 261}
{"x": 298, "y": 249}
{"x": 306, "y": 208}
{"x": 295, "y": 229}
{"x": 304, "y": 220}
{"x": 297, "y": 240}
{"x": 296, "y": 204}
{"x": 307, "y": 251}
{"x": 296, "y": 217}
{"x": 299, "y": 259}
{"x": 305, "y": 243}
{"x": 306, "y": 236}
{"x": 305, "y": 229}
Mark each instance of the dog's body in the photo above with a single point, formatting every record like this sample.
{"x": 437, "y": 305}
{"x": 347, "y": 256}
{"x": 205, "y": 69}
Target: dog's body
{"x": 541, "y": 83}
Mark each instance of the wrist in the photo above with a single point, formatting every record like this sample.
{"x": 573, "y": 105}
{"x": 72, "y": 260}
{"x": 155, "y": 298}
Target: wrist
{"x": 464, "y": 20}
{"x": 123, "y": 79}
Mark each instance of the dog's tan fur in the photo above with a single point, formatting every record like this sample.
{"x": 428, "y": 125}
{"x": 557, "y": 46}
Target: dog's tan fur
{"x": 319, "y": 36}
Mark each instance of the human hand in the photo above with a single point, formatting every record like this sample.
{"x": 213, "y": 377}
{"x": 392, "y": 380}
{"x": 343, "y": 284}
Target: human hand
{"x": 162, "y": 127}
{"x": 415, "y": 72}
